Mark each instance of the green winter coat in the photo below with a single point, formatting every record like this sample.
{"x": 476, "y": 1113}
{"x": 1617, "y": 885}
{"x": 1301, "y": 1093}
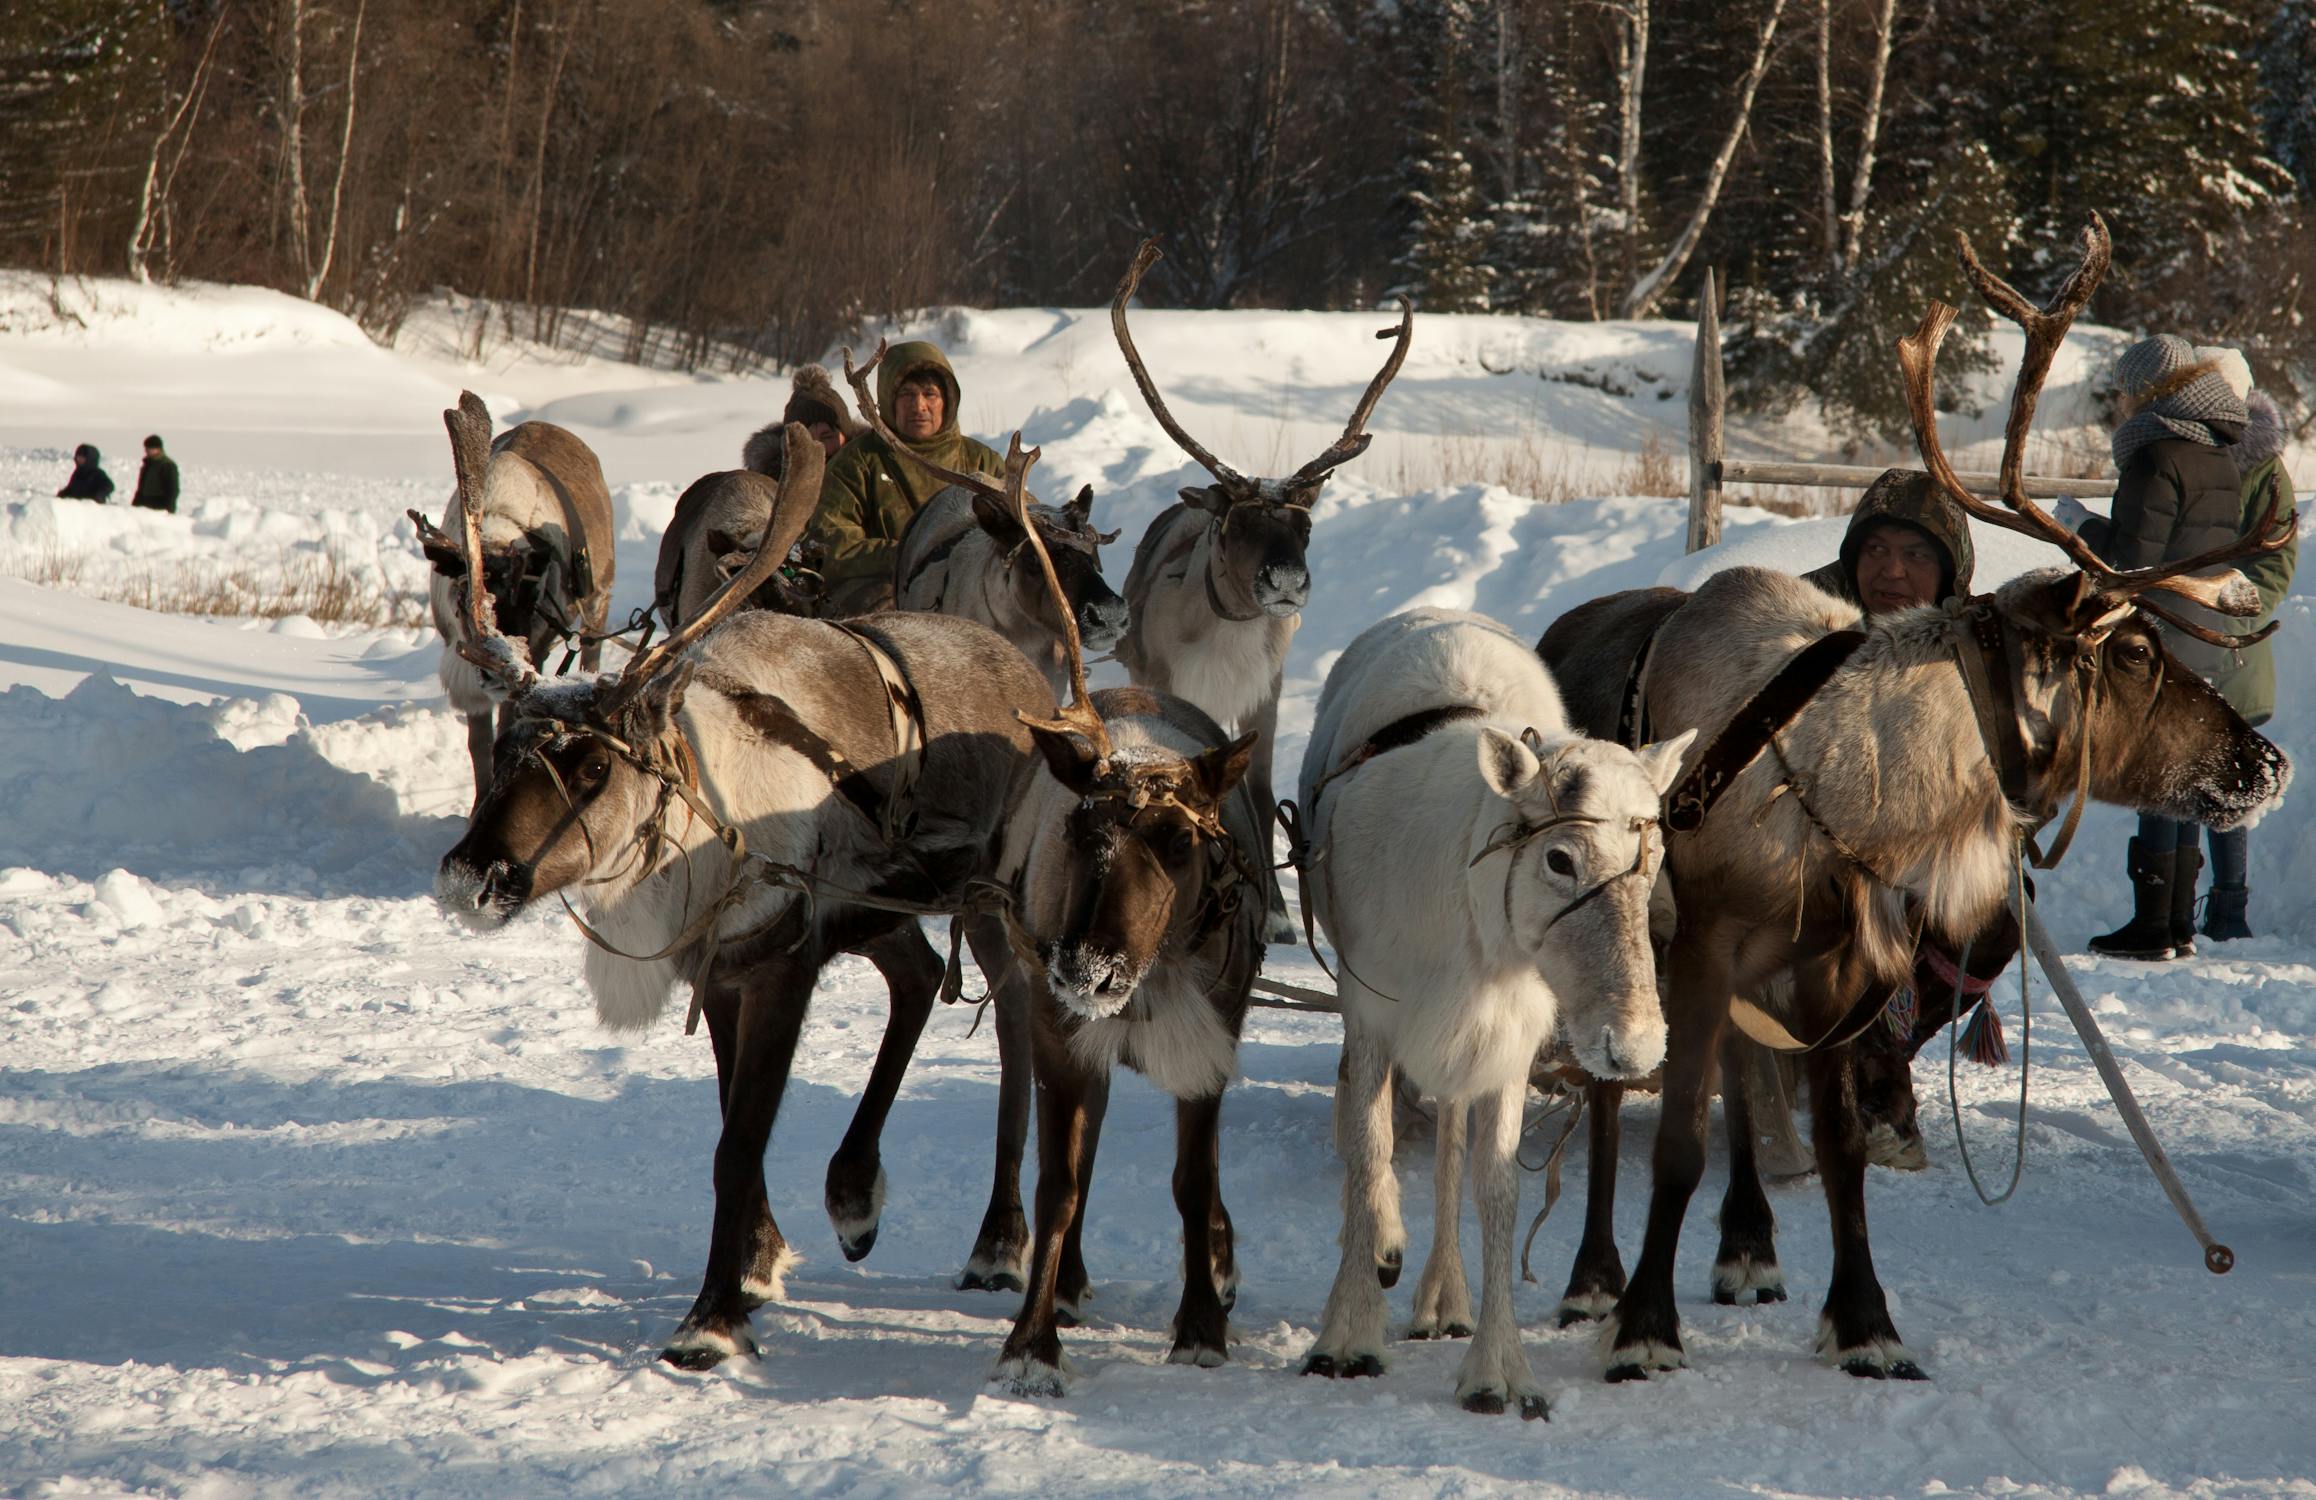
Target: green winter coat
{"x": 1903, "y": 495}
{"x": 2249, "y": 680}
{"x": 870, "y": 493}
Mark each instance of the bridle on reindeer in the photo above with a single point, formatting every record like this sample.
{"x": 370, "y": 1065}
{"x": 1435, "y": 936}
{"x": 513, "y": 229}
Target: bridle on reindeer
{"x": 1299, "y": 490}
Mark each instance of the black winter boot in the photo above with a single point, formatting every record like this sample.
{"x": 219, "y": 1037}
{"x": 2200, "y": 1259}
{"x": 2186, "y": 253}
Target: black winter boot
{"x": 2223, "y": 914}
{"x": 2186, "y": 870}
{"x": 2148, "y": 934}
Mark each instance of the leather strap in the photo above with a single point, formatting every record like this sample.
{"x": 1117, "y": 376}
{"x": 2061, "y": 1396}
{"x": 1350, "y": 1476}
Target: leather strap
{"x": 1748, "y": 733}
{"x": 1632, "y": 714}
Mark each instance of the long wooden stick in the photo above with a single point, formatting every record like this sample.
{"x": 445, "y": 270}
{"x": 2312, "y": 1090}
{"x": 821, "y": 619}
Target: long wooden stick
{"x": 2217, "y": 1258}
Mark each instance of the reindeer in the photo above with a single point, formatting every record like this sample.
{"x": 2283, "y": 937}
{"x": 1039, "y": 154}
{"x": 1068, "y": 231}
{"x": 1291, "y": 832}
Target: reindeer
{"x": 1484, "y": 875}
{"x": 547, "y": 559}
{"x": 712, "y": 537}
{"x": 736, "y": 808}
{"x": 1219, "y": 581}
{"x": 965, "y": 554}
{"x": 1891, "y": 804}
{"x": 1136, "y": 863}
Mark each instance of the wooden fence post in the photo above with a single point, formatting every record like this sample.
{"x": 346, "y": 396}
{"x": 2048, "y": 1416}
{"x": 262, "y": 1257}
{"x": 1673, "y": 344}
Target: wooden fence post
{"x": 1707, "y": 396}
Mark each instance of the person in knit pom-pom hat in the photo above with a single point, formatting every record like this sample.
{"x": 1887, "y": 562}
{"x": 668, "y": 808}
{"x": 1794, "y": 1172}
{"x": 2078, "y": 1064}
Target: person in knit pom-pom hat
{"x": 813, "y": 401}
{"x": 2177, "y": 493}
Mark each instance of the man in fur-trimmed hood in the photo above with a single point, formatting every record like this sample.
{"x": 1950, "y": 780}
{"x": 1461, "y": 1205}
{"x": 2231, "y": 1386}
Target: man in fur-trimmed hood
{"x": 870, "y": 492}
{"x": 1902, "y": 529}
{"x": 814, "y": 403}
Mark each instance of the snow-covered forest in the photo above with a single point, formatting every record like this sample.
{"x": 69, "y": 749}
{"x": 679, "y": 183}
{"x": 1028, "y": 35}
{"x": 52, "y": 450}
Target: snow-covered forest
{"x": 748, "y": 179}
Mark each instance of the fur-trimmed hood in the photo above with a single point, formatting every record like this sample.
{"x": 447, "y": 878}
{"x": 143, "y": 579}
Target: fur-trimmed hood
{"x": 2263, "y": 435}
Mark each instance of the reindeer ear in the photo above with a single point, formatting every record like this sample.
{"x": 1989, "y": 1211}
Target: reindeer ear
{"x": 655, "y": 708}
{"x": 1206, "y": 497}
{"x": 1223, "y": 767}
{"x": 1067, "y": 755}
{"x": 996, "y": 518}
{"x": 1662, "y": 760}
{"x": 1506, "y": 765}
{"x": 1080, "y": 510}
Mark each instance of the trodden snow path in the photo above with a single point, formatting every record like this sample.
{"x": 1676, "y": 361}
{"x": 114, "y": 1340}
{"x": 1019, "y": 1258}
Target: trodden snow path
{"x": 305, "y": 1191}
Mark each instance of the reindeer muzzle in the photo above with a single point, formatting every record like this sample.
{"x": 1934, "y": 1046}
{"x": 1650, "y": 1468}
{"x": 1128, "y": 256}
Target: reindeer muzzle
{"x": 1281, "y": 589}
{"x": 1102, "y": 623}
{"x": 482, "y": 897}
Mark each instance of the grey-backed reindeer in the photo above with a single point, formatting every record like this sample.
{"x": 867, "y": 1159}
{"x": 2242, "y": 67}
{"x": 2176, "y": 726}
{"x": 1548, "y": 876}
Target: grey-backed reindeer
{"x": 965, "y": 554}
{"x": 1136, "y": 866}
{"x": 547, "y": 556}
{"x": 712, "y": 537}
{"x": 1891, "y": 804}
{"x": 1219, "y": 581}
{"x": 872, "y": 764}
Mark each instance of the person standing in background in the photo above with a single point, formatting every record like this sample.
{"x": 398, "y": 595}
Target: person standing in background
{"x": 89, "y": 481}
{"x": 157, "y": 479}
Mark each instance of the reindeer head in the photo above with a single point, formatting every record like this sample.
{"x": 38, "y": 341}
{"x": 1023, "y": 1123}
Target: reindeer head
{"x": 1571, "y": 866}
{"x": 2098, "y": 691}
{"x": 1076, "y": 551}
{"x": 1262, "y": 527}
{"x": 1132, "y": 865}
{"x": 519, "y": 579}
{"x": 586, "y": 773}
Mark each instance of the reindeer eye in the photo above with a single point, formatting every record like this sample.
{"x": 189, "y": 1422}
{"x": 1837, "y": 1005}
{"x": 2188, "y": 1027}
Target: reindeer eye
{"x": 1176, "y": 844}
{"x": 595, "y": 768}
{"x": 1558, "y": 862}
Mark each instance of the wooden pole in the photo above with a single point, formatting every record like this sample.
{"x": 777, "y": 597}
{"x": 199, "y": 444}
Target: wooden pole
{"x": 1707, "y": 399}
{"x": 2217, "y": 1258}
{"x": 2040, "y": 486}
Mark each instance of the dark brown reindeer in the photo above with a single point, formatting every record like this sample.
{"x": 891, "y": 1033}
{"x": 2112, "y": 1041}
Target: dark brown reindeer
{"x": 1219, "y": 581}
{"x": 544, "y": 531}
{"x": 1891, "y": 804}
{"x": 1135, "y": 866}
{"x": 690, "y": 805}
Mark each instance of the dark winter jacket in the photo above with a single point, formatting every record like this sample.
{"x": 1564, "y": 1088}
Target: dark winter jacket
{"x": 2173, "y": 499}
{"x": 2248, "y": 679}
{"x": 88, "y": 482}
{"x": 1906, "y": 496}
{"x": 157, "y": 483}
{"x": 869, "y": 492}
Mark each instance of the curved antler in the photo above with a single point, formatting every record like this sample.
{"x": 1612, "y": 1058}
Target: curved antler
{"x": 503, "y": 665}
{"x": 792, "y": 511}
{"x": 1079, "y": 717}
{"x": 2046, "y": 328}
{"x": 1355, "y": 436}
{"x": 1235, "y": 484}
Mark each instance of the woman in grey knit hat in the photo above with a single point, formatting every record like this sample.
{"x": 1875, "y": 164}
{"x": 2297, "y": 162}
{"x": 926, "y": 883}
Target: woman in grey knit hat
{"x": 2177, "y": 493}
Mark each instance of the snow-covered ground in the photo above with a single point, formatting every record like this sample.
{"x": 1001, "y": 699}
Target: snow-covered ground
{"x": 305, "y": 1191}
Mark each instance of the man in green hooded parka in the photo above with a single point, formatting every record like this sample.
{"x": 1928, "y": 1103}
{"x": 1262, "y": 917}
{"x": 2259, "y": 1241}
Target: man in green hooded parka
{"x": 870, "y": 492}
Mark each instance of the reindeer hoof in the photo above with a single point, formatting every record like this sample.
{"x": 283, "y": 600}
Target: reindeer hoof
{"x": 1423, "y": 1332}
{"x": 1026, "y": 1375}
{"x": 1735, "y": 1296}
{"x": 1583, "y": 1307}
{"x": 989, "y": 1281}
{"x": 1387, "y": 1268}
{"x": 1485, "y": 1403}
{"x": 699, "y": 1349}
{"x": 1205, "y": 1356}
{"x": 1353, "y": 1368}
{"x": 858, "y": 1249}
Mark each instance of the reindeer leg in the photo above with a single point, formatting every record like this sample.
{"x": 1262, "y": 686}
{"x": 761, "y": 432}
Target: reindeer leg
{"x": 1495, "y": 1374}
{"x": 1278, "y": 927}
{"x": 1031, "y": 1363}
{"x": 1000, "y": 1259}
{"x": 1351, "y": 1337}
{"x": 1855, "y": 1330}
{"x": 1201, "y": 1326}
{"x": 773, "y": 998}
{"x": 1443, "y": 1301}
{"x": 1596, "y": 1279}
{"x": 1073, "y": 1289}
{"x": 1747, "y": 1260}
{"x": 766, "y": 1260}
{"x": 1644, "y": 1332}
{"x": 855, "y": 1194}
{"x": 1222, "y": 1236}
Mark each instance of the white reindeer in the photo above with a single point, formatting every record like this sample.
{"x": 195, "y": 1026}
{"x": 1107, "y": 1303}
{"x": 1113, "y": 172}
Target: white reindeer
{"x": 1484, "y": 875}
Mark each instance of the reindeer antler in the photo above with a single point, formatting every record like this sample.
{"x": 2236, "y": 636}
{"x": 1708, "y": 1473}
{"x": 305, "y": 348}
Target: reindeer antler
{"x": 1235, "y": 484}
{"x": 792, "y": 511}
{"x": 1079, "y": 717}
{"x": 2046, "y": 328}
{"x": 503, "y": 666}
{"x": 1355, "y": 436}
